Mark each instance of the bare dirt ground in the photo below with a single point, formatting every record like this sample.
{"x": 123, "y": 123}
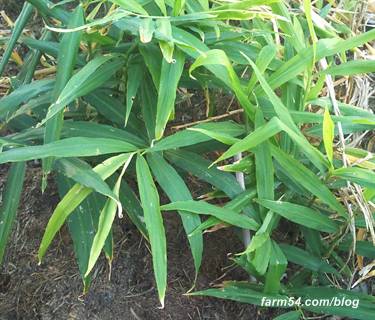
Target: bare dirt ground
{"x": 53, "y": 290}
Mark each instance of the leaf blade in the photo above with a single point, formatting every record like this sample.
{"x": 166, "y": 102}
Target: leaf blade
{"x": 224, "y": 214}
{"x": 169, "y": 78}
{"x": 70, "y": 147}
{"x": 73, "y": 198}
{"x": 10, "y": 200}
{"x": 301, "y": 215}
{"x": 106, "y": 219}
{"x": 154, "y": 223}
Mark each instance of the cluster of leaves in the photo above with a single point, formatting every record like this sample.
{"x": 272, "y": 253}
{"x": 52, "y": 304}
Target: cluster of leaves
{"x": 119, "y": 64}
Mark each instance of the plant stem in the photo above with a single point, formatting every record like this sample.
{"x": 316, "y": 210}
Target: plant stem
{"x": 246, "y": 236}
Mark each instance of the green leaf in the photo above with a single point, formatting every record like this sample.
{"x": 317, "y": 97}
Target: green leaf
{"x": 301, "y": 215}
{"x": 169, "y": 77}
{"x": 10, "y": 200}
{"x": 20, "y": 24}
{"x": 282, "y": 111}
{"x": 351, "y": 68}
{"x": 71, "y": 147}
{"x": 219, "y": 58}
{"x": 82, "y": 224}
{"x": 241, "y": 292}
{"x": 83, "y": 174}
{"x": 178, "y": 7}
{"x": 225, "y": 132}
{"x": 164, "y": 28}
{"x": 131, "y": 5}
{"x": 82, "y": 129}
{"x": 44, "y": 46}
{"x": 245, "y": 4}
{"x": 307, "y": 179}
{"x": 363, "y": 177}
{"x": 66, "y": 61}
{"x": 134, "y": 78}
{"x": 222, "y": 131}
{"x": 239, "y": 203}
{"x": 106, "y": 219}
{"x": 162, "y": 7}
{"x": 306, "y": 259}
{"x": 361, "y": 307}
{"x": 68, "y": 52}
{"x": 112, "y": 109}
{"x": 276, "y": 269}
{"x": 146, "y": 30}
{"x": 262, "y": 256}
{"x": 324, "y": 48}
{"x": 250, "y": 293}
{"x": 96, "y": 130}
{"x": 362, "y": 248}
{"x": 152, "y": 58}
{"x": 257, "y": 241}
{"x": 176, "y": 190}
{"x": 224, "y": 214}
{"x": 266, "y": 131}
{"x": 308, "y": 9}
{"x": 346, "y": 109}
{"x": 286, "y": 140}
{"x": 74, "y": 197}
{"x": 132, "y": 207}
{"x": 264, "y": 170}
{"x": 148, "y": 98}
{"x": 26, "y": 92}
{"x": 266, "y": 55}
{"x": 154, "y": 223}
{"x": 90, "y": 77}
{"x": 328, "y": 134}
{"x": 107, "y": 106}
{"x": 198, "y": 5}
{"x": 245, "y": 165}
{"x": 47, "y": 9}
{"x": 369, "y": 194}
{"x": 259, "y": 135}
{"x": 36, "y": 106}
{"x": 198, "y": 166}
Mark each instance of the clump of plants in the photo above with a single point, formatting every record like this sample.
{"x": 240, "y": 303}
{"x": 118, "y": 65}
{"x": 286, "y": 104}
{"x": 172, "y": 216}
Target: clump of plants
{"x": 289, "y": 154}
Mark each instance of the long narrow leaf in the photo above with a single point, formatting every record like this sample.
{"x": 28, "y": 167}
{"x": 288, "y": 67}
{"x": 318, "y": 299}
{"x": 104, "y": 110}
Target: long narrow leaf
{"x": 304, "y": 177}
{"x": 74, "y": 197}
{"x": 10, "y": 200}
{"x": 20, "y": 24}
{"x": 224, "y": 214}
{"x": 91, "y": 76}
{"x": 169, "y": 78}
{"x": 66, "y": 61}
{"x": 71, "y": 147}
{"x": 106, "y": 219}
{"x": 218, "y": 57}
{"x": 176, "y": 190}
{"x": 154, "y": 223}
{"x": 83, "y": 174}
{"x": 301, "y": 215}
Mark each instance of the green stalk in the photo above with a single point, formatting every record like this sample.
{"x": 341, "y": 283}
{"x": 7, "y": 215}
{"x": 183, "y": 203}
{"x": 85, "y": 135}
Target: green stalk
{"x": 20, "y": 24}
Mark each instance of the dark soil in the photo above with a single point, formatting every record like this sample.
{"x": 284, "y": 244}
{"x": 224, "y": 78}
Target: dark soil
{"x": 11, "y": 7}
{"x": 54, "y": 289}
